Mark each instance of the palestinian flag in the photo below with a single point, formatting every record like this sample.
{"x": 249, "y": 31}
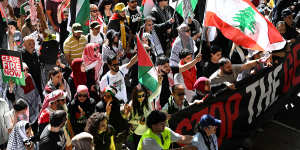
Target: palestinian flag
{"x": 11, "y": 67}
{"x": 80, "y": 13}
{"x": 146, "y": 71}
{"x": 243, "y": 24}
{"x": 184, "y": 8}
{"x": 147, "y": 6}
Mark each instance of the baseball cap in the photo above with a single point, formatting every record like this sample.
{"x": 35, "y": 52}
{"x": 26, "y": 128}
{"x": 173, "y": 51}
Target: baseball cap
{"x": 208, "y": 120}
{"x": 76, "y": 27}
{"x": 95, "y": 24}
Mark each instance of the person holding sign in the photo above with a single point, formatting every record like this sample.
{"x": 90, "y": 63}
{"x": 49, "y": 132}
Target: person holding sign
{"x": 29, "y": 93}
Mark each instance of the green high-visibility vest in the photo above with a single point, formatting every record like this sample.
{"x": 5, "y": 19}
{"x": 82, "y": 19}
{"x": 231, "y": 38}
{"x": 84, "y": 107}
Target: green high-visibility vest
{"x": 166, "y": 135}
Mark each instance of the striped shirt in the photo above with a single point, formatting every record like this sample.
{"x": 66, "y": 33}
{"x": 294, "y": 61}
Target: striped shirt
{"x": 74, "y": 47}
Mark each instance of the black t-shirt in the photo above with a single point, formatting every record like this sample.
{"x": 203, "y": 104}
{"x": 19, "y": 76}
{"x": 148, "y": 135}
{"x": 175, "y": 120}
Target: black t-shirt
{"x": 165, "y": 90}
{"x": 135, "y": 21}
{"x": 52, "y": 140}
{"x": 290, "y": 33}
{"x": 206, "y": 68}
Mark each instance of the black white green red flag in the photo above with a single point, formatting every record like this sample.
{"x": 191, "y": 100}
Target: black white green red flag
{"x": 147, "y": 73}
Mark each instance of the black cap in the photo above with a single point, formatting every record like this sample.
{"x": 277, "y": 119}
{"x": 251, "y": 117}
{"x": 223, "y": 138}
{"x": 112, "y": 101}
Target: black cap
{"x": 57, "y": 118}
{"x": 21, "y": 104}
{"x": 95, "y": 24}
{"x": 286, "y": 12}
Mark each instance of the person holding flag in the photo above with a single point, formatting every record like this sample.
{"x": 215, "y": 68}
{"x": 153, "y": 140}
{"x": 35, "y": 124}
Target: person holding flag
{"x": 243, "y": 24}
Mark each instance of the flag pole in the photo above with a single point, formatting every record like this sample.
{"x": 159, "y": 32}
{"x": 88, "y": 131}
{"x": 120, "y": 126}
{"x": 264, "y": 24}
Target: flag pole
{"x": 202, "y": 35}
{"x": 175, "y": 9}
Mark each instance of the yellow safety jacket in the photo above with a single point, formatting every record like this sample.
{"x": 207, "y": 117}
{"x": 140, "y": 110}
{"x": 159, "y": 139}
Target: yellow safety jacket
{"x": 166, "y": 135}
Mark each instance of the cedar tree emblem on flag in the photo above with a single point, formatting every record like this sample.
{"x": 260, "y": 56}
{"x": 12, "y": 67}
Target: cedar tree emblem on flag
{"x": 246, "y": 19}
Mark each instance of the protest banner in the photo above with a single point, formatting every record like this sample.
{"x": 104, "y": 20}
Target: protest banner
{"x": 256, "y": 100}
{"x": 11, "y": 66}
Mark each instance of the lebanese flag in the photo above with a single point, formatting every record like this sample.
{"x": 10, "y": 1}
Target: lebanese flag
{"x": 147, "y": 73}
{"x": 240, "y": 22}
{"x": 147, "y": 6}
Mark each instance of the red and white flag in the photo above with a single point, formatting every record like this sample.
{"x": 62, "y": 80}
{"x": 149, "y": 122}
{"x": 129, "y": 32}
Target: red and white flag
{"x": 240, "y": 22}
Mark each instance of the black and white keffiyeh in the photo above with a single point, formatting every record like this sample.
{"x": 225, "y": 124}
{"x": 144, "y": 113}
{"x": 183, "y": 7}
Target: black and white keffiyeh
{"x": 17, "y": 137}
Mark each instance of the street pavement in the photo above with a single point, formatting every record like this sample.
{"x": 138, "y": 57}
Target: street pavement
{"x": 282, "y": 133}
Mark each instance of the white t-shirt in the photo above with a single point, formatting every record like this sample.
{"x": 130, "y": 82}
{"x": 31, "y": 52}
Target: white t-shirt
{"x": 96, "y": 39}
{"x": 116, "y": 81}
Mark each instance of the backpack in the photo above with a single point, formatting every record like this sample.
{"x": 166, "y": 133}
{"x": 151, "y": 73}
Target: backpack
{"x": 49, "y": 51}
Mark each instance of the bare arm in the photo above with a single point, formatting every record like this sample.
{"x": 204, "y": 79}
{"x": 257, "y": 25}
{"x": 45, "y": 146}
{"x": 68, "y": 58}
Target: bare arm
{"x": 191, "y": 64}
{"x": 132, "y": 61}
{"x": 250, "y": 64}
{"x": 186, "y": 139}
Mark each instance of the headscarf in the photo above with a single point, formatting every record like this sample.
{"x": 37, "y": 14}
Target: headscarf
{"x": 187, "y": 41}
{"x": 53, "y": 96}
{"x": 82, "y": 88}
{"x": 17, "y": 137}
{"x": 82, "y": 141}
{"x": 78, "y": 77}
{"x": 200, "y": 84}
{"x": 110, "y": 89}
{"x": 93, "y": 59}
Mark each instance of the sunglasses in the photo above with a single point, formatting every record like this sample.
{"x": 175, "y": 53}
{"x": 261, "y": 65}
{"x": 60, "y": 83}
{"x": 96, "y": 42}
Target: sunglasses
{"x": 94, "y": 11}
{"x": 133, "y": 2}
{"x": 60, "y": 100}
{"x": 180, "y": 94}
{"x": 115, "y": 65}
{"x": 141, "y": 96}
{"x": 82, "y": 95}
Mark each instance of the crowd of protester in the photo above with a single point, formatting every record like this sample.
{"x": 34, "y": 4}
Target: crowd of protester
{"x": 82, "y": 90}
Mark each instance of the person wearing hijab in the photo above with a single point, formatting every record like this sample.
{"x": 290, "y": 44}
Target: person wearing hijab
{"x": 112, "y": 106}
{"x": 83, "y": 141}
{"x": 19, "y": 138}
{"x": 183, "y": 41}
{"x": 30, "y": 94}
{"x": 92, "y": 59}
{"x": 53, "y": 101}
{"x": 78, "y": 76}
{"x": 81, "y": 108}
{"x": 93, "y": 62}
{"x": 202, "y": 87}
